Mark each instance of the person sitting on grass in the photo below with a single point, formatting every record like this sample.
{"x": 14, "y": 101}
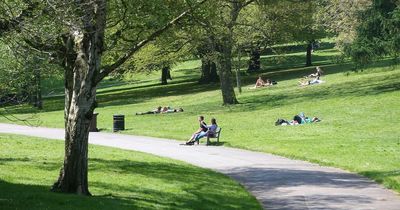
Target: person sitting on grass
{"x": 202, "y": 131}
{"x": 261, "y": 83}
{"x": 317, "y": 74}
{"x": 155, "y": 111}
{"x": 316, "y": 78}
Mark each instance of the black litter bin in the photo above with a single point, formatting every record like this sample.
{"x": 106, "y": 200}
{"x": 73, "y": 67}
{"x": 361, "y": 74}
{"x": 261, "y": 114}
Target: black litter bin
{"x": 119, "y": 122}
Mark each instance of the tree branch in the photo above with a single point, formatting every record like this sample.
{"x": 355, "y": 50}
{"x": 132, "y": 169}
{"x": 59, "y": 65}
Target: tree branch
{"x": 7, "y": 25}
{"x": 110, "y": 68}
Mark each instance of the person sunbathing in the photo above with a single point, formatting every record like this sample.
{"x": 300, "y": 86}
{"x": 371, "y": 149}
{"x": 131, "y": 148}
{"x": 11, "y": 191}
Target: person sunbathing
{"x": 317, "y": 74}
{"x": 261, "y": 83}
{"x": 161, "y": 110}
{"x": 154, "y": 111}
{"x": 168, "y": 109}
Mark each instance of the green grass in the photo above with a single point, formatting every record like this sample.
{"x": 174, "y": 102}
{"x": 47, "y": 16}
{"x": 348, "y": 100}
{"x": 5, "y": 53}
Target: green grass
{"x": 359, "y": 111}
{"x": 118, "y": 179}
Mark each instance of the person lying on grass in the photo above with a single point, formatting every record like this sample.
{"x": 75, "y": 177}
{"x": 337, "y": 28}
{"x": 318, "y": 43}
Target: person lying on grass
{"x": 298, "y": 120}
{"x": 167, "y": 109}
{"x": 306, "y": 82}
{"x": 202, "y": 131}
{"x": 158, "y": 110}
{"x": 154, "y": 111}
{"x": 211, "y": 131}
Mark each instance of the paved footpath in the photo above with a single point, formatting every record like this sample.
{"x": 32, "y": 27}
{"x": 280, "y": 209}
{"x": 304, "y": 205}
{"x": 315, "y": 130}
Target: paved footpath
{"x": 277, "y": 182}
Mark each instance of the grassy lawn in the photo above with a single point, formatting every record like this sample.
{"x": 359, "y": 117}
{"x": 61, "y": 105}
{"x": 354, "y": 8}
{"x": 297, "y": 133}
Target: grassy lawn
{"x": 359, "y": 111}
{"x": 118, "y": 179}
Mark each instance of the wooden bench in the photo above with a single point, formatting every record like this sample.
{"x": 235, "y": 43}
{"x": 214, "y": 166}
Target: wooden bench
{"x": 214, "y": 136}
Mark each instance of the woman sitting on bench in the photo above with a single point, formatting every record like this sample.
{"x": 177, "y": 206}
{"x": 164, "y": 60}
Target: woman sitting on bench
{"x": 211, "y": 131}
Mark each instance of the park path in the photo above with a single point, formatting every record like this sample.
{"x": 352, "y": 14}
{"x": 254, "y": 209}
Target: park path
{"x": 277, "y": 182}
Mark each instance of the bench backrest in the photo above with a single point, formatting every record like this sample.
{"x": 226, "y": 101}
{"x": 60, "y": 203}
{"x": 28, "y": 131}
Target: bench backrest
{"x": 217, "y": 132}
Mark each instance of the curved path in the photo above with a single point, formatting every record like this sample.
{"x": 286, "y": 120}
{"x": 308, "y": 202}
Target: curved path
{"x": 277, "y": 182}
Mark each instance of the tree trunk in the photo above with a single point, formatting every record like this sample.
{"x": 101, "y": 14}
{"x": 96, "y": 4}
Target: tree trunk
{"x": 225, "y": 72}
{"x": 309, "y": 54}
{"x": 254, "y": 62}
{"x": 80, "y": 95}
{"x": 225, "y": 57}
{"x": 238, "y": 80}
{"x": 164, "y": 75}
{"x": 38, "y": 90}
{"x": 208, "y": 71}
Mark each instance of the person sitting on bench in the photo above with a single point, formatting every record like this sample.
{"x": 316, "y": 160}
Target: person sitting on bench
{"x": 212, "y": 129}
{"x": 201, "y": 132}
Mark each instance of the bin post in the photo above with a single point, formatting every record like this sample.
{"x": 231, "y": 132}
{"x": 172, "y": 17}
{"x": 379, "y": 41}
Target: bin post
{"x": 93, "y": 123}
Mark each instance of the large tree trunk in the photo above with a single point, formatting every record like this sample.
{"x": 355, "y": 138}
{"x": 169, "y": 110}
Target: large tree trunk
{"x": 254, "y": 62}
{"x": 165, "y": 75}
{"x": 208, "y": 71}
{"x": 80, "y": 95}
{"x": 225, "y": 58}
{"x": 309, "y": 54}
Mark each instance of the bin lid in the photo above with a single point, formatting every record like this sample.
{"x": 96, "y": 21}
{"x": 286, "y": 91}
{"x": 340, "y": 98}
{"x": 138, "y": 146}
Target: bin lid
{"x": 119, "y": 115}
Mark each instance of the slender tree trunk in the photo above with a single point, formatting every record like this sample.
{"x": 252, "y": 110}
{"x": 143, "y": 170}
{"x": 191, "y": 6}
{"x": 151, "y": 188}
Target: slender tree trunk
{"x": 309, "y": 54}
{"x": 80, "y": 95}
{"x": 38, "y": 90}
{"x": 238, "y": 79}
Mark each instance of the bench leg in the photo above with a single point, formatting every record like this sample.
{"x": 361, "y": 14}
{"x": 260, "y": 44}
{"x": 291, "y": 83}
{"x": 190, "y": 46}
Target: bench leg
{"x": 208, "y": 141}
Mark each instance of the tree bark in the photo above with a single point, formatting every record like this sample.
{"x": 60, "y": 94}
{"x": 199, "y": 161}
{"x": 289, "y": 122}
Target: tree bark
{"x": 309, "y": 54}
{"x": 80, "y": 95}
{"x": 38, "y": 89}
{"x": 208, "y": 71}
{"x": 225, "y": 72}
{"x": 254, "y": 62}
{"x": 225, "y": 59}
{"x": 165, "y": 75}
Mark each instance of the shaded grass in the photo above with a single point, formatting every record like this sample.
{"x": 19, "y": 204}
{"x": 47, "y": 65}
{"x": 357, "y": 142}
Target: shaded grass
{"x": 359, "y": 112}
{"x": 118, "y": 179}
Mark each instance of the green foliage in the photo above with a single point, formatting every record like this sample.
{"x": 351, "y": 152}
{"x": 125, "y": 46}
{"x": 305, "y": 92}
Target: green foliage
{"x": 119, "y": 179}
{"x": 378, "y": 34}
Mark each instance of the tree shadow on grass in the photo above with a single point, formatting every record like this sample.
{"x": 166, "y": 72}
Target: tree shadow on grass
{"x": 192, "y": 188}
{"x": 23, "y": 196}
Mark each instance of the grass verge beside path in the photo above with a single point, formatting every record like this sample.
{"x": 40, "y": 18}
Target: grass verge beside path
{"x": 118, "y": 179}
